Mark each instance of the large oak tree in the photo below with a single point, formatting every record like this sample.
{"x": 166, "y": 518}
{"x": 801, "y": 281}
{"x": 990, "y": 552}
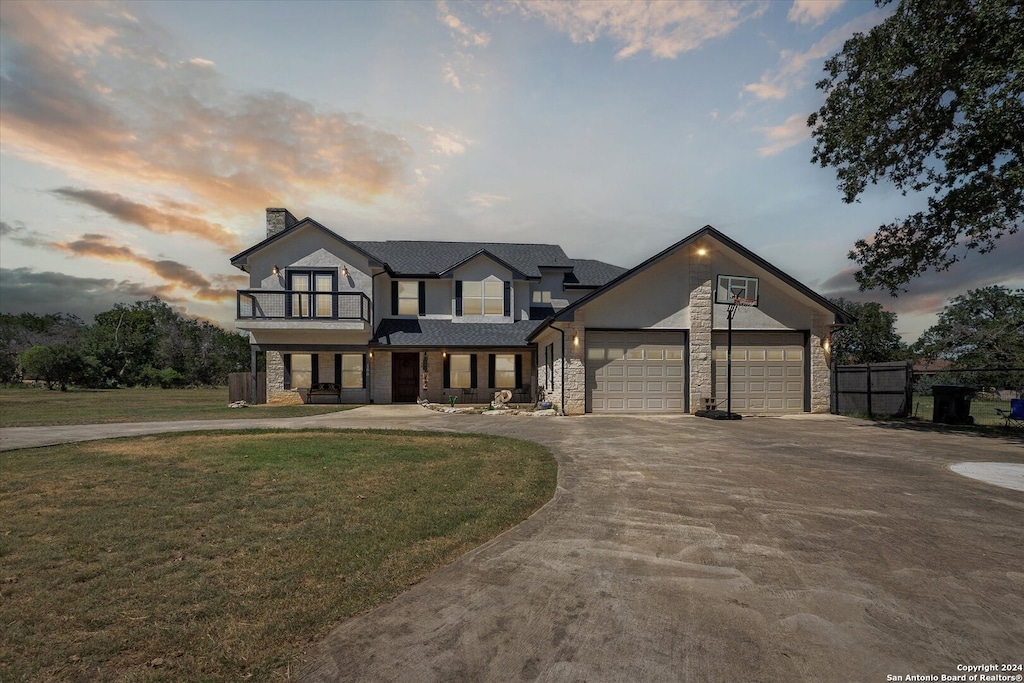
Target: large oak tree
{"x": 931, "y": 100}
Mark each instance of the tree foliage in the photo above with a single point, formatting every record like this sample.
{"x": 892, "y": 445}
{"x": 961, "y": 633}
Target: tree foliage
{"x": 146, "y": 343}
{"x": 981, "y": 329}
{"x": 57, "y": 365}
{"x": 931, "y": 99}
{"x": 871, "y": 339}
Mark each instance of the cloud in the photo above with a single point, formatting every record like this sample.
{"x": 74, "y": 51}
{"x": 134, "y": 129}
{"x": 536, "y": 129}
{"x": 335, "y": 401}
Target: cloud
{"x": 931, "y": 291}
{"x": 23, "y": 290}
{"x": 794, "y": 67}
{"x": 813, "y": 12}
{"x": 88, "y": 89}
{"x": 486, "y": 201}
{"x": 180, "y": 218}
{"x": 176, "y": 275}
{"x": 663, "y": 28}
{"x": 22, "y": 235}
{"x": 451, "y": 77}
{"x": 446, "y": 143}
{"x": 785, "y": 135}
{"x": 466, "y": 35}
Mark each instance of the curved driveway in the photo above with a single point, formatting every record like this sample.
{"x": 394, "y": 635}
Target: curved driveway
{"x": 813, "y": 548}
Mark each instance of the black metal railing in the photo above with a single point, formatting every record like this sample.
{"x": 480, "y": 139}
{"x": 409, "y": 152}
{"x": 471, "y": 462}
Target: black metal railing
{"x": 278, "y": 304}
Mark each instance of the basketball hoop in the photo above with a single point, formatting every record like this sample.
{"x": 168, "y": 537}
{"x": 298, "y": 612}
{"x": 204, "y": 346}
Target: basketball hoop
{"x": 742, "y": 301}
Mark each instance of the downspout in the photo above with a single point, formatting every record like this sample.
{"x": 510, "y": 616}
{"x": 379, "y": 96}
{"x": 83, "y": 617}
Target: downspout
{"x": 373, "y": 306}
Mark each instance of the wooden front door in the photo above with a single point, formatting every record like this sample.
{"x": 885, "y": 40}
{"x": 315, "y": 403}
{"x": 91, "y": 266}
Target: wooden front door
{"x": 405, "y": 372}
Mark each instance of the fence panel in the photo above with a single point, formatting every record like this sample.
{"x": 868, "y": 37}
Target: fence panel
{"x": 877, "y": 389}
{"x": 240, "y": 387}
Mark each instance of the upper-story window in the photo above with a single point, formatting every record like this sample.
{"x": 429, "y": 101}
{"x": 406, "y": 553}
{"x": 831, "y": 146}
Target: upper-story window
{"x": 313, "y": 304}
{"x": 490, "y": 297}
{"x": 408, "y": 297}
{"x": 541, "y": 297}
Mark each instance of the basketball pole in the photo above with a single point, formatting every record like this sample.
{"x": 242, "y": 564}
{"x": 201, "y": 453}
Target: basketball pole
{"x": 728, "y": 361}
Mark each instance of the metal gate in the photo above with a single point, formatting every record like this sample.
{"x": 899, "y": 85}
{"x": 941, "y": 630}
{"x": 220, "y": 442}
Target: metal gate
{"x": 874, "y": 389}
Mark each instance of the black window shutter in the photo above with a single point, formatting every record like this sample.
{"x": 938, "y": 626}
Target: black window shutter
{"x": 447, "y": 372}
{"x": 394, "y": 297}
{"x": 458, "y": 297}
{"x": 366, "y": 370}
{"x": 316, "y": 368}
{"x": 490, "y": 370}
{"x": 423, "y": 297}
{"x": 519, "y": 371}
{"x": 287, "y": 370}
{"x": 337, "y": 369}
{"x": 508, "y": 298}
{"x": 472, "y": 371}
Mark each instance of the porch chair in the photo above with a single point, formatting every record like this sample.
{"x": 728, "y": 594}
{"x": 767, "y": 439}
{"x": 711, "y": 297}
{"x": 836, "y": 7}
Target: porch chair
{"x": 1015, "y": 417}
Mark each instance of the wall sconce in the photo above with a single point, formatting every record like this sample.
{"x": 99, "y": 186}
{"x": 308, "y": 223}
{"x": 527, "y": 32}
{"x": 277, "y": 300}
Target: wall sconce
{"x": 701, "y": 251}
{"x": 371, "y": 354}
{"x": 275, "y": 270}
{"x": 576, "y": 339}
{"x": 444, "y": 354}
{"x": 344, "y": 271}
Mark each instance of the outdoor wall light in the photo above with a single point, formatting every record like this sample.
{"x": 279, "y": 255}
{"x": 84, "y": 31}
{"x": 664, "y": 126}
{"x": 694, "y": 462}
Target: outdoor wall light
{"x": 702, "y": 251}
{"x": 576, "y": 339}
{"x": 344, "y": 271}
{"x": 444, "y": 354}
{"x": 275, "y": 270}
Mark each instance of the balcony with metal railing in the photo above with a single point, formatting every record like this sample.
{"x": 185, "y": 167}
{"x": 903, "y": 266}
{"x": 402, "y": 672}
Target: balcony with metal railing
{"x": 279, "y": 308}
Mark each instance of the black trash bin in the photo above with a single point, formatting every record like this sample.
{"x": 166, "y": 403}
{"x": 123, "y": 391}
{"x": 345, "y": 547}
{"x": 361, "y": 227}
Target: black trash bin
{"x": 952, "y": 404}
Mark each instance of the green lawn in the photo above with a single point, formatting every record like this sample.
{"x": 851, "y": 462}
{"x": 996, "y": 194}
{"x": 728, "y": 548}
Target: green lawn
{"x": 225, "y": 555}
{"x": 983, "y": 412}
{"x": 34, "y": 406}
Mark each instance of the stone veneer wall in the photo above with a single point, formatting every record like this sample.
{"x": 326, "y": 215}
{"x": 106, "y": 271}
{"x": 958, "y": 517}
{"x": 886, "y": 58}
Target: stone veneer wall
{"x": 575, "y": 369}
{"x": 701, "y": 324}
{"x": 276, "y": 393}
{"x": 821, "y": 378}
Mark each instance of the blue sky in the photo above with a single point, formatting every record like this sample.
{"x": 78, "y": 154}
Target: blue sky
{"x": 141, "y": 142}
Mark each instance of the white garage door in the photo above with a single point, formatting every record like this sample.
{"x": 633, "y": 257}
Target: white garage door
{"x": 767, "y": 371}
{"x": 635, "y": 371}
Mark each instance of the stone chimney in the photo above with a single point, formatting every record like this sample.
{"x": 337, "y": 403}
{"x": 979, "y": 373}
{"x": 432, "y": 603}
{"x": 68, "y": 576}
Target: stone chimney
{"x": 279, "y": 220}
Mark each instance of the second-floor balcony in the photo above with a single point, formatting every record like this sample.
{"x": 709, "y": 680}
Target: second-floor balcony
{"x": 300, "y": 306}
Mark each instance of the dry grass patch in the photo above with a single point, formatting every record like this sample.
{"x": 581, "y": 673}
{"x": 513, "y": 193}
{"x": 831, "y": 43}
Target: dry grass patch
{"x": 222, "y": 556}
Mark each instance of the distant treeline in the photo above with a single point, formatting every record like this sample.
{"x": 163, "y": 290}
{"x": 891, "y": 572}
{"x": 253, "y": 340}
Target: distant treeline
{"x": 146, "y": 343}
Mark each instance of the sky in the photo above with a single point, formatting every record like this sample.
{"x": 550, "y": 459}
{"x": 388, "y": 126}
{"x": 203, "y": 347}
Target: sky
{"x": 141, "y": 142}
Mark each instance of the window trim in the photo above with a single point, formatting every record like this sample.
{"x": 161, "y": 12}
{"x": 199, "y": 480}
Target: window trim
{"x": 312, "y": 295}
{"x": 314, "y": 376}
{"x": 448, "y": 370}
{"x": 505, "y": 298}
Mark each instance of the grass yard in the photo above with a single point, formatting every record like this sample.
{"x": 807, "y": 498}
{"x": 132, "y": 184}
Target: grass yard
{"x": 35, "y": 406}
{"x": 225, "y": 555}
{"x": 983, "y": 412}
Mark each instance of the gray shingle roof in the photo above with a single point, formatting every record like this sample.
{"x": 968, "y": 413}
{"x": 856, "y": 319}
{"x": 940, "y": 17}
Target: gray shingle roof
{"x": 427, "y": 332}
{"x": 423, "y": 258}
{"x": 591, "y": 273}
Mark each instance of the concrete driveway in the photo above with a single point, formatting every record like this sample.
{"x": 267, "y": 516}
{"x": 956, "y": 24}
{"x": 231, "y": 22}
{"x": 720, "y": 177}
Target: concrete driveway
{"x": 813, "y": 548}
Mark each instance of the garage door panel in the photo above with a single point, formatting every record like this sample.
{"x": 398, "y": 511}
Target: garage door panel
{"x": 648, "y": 368}
{"x": 767, "y": 371}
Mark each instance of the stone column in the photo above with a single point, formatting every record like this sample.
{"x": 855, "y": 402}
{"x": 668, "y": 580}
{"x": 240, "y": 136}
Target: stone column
{"x": 821, "y": 378}
{"x": 701, "y": 310}
{"x": 575, "y": 368}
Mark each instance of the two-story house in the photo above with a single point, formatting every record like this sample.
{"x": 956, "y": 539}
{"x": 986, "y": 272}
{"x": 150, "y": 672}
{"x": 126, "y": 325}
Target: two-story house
{"x": 398, "y": 321}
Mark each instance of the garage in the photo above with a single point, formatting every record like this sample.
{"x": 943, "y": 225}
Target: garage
{"x": 635, "y": 371}
{"x": 768, "y": 371}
